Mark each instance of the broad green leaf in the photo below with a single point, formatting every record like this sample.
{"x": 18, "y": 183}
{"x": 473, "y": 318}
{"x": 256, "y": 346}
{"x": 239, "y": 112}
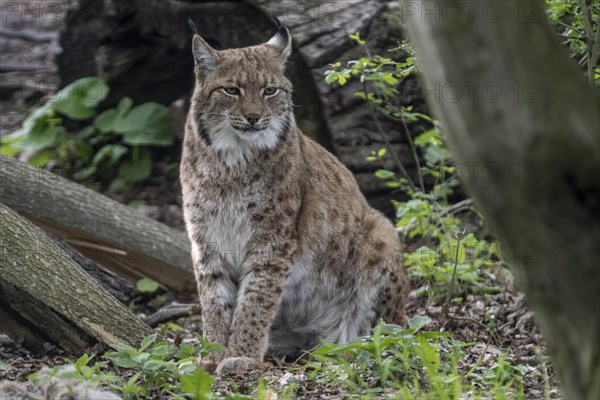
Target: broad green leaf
{"x": 78, "y": 100}
{"x": 107, "y": 120}
{"x": 40, "y": 159}
{"x": 122, "y": 347}
{"x": 111, "y": 153}
{"x": 198, "y": 384}
{"x": 136, "y": 171}
{"x": 146, "y": 124}
{"x": 162, "y": 350}
{"x": 43, "y": 136}
{"x": 153, "y": 365}
{"x": 148, "y": 340}
{"x": 435, "y": 154}
{"x": 124, "y": 362}
{"x": 418, "y": 321}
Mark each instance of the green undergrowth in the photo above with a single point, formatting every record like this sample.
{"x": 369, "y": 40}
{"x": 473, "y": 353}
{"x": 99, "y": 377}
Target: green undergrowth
{"x": 394, "y": 362}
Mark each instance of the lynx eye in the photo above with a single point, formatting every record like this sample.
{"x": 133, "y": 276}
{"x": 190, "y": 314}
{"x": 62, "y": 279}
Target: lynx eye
{"x": 232, "y": 91}
{"x": 270, "y": 91}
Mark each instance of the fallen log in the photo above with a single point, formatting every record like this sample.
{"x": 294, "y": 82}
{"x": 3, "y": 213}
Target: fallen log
{"x": 102, "y": 229}
{"x": 47, "y": 297}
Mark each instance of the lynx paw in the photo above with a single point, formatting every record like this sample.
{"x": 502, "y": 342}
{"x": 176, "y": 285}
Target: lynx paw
{"x": 210, "y": 363}
{"x": 238, "y": 365}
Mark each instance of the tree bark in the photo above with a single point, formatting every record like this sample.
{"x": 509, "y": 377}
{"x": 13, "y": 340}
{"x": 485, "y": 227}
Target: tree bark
{"x": 524, "y": 134}
{"x": 103, "y": 230}
{"x": 47, "y": 296}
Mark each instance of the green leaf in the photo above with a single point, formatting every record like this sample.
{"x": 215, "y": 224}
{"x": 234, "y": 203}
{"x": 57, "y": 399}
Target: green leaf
{"x": 124, "y": 362}
{"x": 122, "y": 347}
{"x": 435, "y": 154}
{"x": 162, "y": 350}
{"x": 147, "y": 285}
{"x": 132, "y": 171}
{"x": 148, "y": 340}
{"x": 418, "y": 321}
{"x": 357, "y": 39}
{"x": 111, "y": 153}
{"x": 146, "y": 124}
{"x": 389, "y": 79}
{"x": 454, "y": 251}
{"x": 430, "y": 137}
{"x": 154, "y": 365}
{"x": 381, "y": 152}
{"x": 78, "y": 100}
{"x": 384, "y": 174}
{"x": 107, "y": 120}
{"x": 40, "y": 159}
{"x": 197, "y": 384}
{"x": 81, "y": 362}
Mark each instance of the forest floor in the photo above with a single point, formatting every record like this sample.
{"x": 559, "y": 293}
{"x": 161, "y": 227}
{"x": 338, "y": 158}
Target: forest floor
{"x": 500, "y": 325}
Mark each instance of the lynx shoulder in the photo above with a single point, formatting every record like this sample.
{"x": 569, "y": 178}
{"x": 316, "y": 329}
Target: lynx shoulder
{"x": 286, "y": 250}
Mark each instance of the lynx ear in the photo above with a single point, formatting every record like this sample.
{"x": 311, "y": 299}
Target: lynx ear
{"x": 204, "y": 55}
{"x": 282, "y": 41}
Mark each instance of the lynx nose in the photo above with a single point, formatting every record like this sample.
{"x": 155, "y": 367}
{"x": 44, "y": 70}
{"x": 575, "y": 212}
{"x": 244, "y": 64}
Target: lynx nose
{"x": 252, "y": 118}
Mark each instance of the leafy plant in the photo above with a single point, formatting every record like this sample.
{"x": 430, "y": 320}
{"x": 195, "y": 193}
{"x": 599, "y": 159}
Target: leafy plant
{"x": 448, "y": 257}
{"x": 66, "y": 133}
{"x": 155, "y": 366}
{"x": 578, "y": 22}
{"x": 412, "y": 363}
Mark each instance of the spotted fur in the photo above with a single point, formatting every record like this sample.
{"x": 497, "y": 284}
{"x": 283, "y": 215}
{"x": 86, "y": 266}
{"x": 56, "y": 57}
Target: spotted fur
{"x": 286, "y": 250}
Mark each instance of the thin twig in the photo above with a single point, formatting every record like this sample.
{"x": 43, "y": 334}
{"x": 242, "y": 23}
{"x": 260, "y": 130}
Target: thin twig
{"x": 450, "y": 288}
{"x": 461, "y": 205}
{"x": 582, "y": 33}
{"x": 413, "y": 150}
{"x": 479, "y": 360}
{"x": 171, "y": 312}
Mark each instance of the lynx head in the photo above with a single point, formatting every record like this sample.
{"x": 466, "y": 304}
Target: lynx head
{"x": 242, "y": 100}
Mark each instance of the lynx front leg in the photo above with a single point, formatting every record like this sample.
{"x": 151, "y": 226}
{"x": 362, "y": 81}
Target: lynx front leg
{"x": 216, "y": 290}
{"x": 259, "y": 298}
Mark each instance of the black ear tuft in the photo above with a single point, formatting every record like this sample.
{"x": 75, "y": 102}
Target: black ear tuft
{"x": 192, "y": 25}
{"x": 281, "y": 30}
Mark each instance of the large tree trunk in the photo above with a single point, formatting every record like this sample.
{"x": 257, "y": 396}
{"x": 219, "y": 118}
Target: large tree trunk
{"x": 45, "y": 296}
{"x": 525, "y": 135}
{"x": 108, "y": 232}
{"x": 142, "y": 48}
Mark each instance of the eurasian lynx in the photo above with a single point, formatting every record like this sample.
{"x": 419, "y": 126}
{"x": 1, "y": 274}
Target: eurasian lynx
{"x": 286, "y": 250}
